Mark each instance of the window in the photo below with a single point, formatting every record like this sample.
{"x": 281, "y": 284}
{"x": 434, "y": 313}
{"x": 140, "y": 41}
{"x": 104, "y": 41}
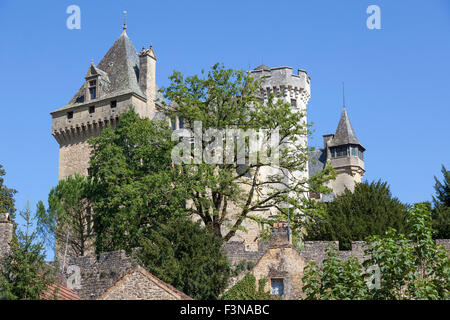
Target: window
{"x": 173, "y": 121}
{"x": 180, "y": 123}
{"x": 293, "y": 103}
{"x": 354, "y": 151}
{"x": 92, "y": 109}
{"x": 360, "y": 154}
{"x": 93, "y": 93}
{"x": 113, "y": 104}
{"x": 277, "y": 286}
{"x": 92, "y": 83}
{"x": 70, "y": 115}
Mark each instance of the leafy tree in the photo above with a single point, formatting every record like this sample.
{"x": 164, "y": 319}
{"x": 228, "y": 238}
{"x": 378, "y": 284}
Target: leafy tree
{"x": 226, "y": 193}
{"x": 246, "y": 289}
{"x": 411, "y": 267}
{"x": 352, "y": 216}
{"x": 69, "y": 215}
{"x": 6, "y": 196}
{"x": 336, "y": 280}
{"x": 441, "y": 210}
{"x": 24, "y": 274}
{"x": 135, "y": 184}
{"x": 187, "y": 256}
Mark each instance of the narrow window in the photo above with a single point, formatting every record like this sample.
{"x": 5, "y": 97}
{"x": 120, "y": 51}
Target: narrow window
{"x": 181, "y": 123}
{"x": 93, "y": 93}
{"x": 92, "y": 109}
{"x": 70, "y": 115}
{"x": 293, "y": 103}
{"x": 354, "y": 151}
{"x": 92, "y": 83}
{"x": 113, "y": 104}
{"x": 173, "y": 121}
{"x": 277, "y": 286}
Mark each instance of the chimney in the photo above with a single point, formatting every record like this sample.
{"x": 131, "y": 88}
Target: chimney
{"x": 147, "y": 77}
{"x": 280, "y": 235}
{"x": 6, "y": 233}
{"x": 327, "y": 138}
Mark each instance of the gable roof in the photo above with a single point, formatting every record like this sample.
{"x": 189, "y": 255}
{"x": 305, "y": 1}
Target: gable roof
{"x": 344, "y": 132}
{"x": 177, "y": 294}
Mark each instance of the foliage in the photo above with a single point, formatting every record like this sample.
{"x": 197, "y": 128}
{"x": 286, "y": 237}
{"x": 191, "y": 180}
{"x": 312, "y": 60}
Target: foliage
{"x": 135, "y": 184}
{"x": 6, "y": 196}
{"x": 24, "y": 274}
{"x": 337, "y": 279}
{"x": 246, "y": 289}
{"x": 69, "y": 215}
{"x": 441, "y": 210}
{"x": 352, "y": 216}
{"x": 187, "y": 256}
{"x": 229, "y": 99}
{"x": 411, "y": 267}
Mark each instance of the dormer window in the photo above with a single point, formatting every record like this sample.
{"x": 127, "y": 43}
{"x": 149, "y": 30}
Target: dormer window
{"x": 93, "y": 89}
{"x": 93, "y": 93}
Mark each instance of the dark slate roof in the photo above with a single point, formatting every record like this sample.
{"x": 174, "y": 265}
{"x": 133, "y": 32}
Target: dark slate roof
{"x": 316, "y": 162}
{"x": 344, "y": 132}
{"x": 120, "y": 66}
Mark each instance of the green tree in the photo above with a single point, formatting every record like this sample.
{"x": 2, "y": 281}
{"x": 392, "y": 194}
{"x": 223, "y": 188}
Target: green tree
{"x": 411, "y": 267}
{"x": 6, "y": 196}
{"x": 188, "y": 257}
{"x": 246, "y": 289}
{"x": 135, "y": 184}
{"x": 441, "y": 202}
{"x": 24, "y": 274}
{"x": 226, "y": 193}
{"x": 68, "y": 218}
{"x": 353, "y": 216}
{"x": 336, "y": 280}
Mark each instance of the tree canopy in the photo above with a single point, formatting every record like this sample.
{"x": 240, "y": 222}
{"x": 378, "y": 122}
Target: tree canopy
{"x": 441, "y": 202}
{"x": 352, "y": 216}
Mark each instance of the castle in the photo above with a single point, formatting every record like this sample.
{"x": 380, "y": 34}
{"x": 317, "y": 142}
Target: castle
{"x": 125, "y": 77}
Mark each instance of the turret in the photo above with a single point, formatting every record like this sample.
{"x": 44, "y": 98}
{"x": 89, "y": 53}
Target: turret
{"x": 346, "y": 154}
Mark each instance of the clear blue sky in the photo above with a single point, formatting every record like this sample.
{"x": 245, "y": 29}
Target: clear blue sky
{"x": 396, "y": 78}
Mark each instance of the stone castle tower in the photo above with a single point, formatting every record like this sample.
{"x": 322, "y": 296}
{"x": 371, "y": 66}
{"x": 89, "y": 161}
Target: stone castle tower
{"x": 122, "y": 78}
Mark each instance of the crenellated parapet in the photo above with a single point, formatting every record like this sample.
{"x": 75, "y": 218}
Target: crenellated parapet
{"x": 294, "y": 88}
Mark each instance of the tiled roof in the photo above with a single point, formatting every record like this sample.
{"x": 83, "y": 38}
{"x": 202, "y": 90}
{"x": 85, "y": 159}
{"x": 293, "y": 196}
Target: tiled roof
{"x": 59, "y": 291}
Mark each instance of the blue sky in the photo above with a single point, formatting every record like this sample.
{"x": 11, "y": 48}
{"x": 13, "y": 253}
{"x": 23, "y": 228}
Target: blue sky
{"x": 396, "y": 78}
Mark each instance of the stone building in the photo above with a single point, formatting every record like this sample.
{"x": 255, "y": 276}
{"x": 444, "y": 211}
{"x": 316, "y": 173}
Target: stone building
{"x": 6, "y": 233}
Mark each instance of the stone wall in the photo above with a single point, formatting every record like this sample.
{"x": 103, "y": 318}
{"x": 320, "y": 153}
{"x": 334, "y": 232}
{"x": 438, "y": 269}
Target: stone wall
{"x": 312, "y": 250}
{"x": 97, "y": 275}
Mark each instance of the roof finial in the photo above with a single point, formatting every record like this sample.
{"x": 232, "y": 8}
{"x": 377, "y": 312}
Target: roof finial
{"x": 125, "y": 20}
{"x": 343, "y": 94}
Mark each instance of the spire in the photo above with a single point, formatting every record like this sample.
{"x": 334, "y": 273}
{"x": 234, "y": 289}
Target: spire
{"x": 125, "y": 22}
{"x": 344, "y": 132}
{"x": 343, "y": 94}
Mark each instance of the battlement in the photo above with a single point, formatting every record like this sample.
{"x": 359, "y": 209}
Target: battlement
{"x": 282, "y": 80}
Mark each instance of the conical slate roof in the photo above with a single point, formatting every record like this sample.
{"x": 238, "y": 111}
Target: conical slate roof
{"x": 344, "y": 132}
